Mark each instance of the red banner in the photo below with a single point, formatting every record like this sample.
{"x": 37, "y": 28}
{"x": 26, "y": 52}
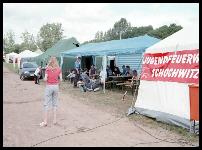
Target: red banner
{"x": 179, "y": 66}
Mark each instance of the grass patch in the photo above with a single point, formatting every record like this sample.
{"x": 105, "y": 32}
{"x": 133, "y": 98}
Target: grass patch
{"x": 111, "y": 101}
{"x": 11, "y": 67}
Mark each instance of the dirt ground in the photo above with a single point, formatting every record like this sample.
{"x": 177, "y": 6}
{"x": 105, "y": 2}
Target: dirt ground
{"x": 84, "y": 119}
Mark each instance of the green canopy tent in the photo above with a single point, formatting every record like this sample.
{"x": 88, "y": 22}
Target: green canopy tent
{"x": 55, "y": 50}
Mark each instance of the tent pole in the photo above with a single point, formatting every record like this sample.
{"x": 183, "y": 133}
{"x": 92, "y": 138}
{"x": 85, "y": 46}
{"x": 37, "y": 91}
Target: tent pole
{"x": 14, "y": 62}
{"x": 61, "y": 61}
{"x": 104, "y": 62}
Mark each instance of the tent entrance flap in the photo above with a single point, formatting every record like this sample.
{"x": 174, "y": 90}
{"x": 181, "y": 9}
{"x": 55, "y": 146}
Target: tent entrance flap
{"x": 112, "y": 62}
{"x": 86, "y": 62}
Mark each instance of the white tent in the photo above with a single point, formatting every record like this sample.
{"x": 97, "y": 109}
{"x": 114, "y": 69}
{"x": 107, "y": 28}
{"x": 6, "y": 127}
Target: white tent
{"x": 25, "y": 54}
{"x": 168, "y": 101}
{"x": 38, "y": 51}
{"x": 10, "y": 56}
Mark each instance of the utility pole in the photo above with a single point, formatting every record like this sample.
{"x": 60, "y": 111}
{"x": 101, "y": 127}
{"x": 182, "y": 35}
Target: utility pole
{"x": 120, "y": 34}
{"x": 36, "y": 44}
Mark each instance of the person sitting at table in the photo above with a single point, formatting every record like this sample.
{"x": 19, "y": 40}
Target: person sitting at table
{"x": 92, "y": 71}
{"x": 109, "y": 71}
{"x": 128, "y": 71}
{"x": 88, "y": 84}
{"x": 116, "y": 71}
{"x": 135, "y": 74}
{"x": 93, "y": 85}
{"x": 85, "y": 78}
{"x": 72, "y": 75}
{"x": 123, "y": 70}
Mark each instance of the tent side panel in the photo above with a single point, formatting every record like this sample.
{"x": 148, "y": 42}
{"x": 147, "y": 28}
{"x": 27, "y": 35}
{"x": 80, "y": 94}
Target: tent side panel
{"x": 98, "y": 62}
{"x": 68, "y": 63}
{"x": 168, "y": 97}
{"x": 134, "y": 61}
{"x": 165, "y": 117}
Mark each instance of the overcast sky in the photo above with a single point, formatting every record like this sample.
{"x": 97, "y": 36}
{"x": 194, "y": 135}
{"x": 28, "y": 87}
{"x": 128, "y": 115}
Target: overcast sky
{"x": 83, "y": 20}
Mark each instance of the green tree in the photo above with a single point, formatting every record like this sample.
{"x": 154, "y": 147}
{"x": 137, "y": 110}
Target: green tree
{"x": 165, "y": 31}
{"x": 174, "y": 28}
{"x": 127, "y": 31}
{"x": 97, "y": 36}
{"x": 101, "y": 37}
{"x": 4, "y": 44}
{"x": 17, "y": 48}
{"x": 105, "y": 36}
{"x": 9, "y": 42}
{"x": 39, "y": 42}
{"x": 50, "y": 34}
{"x": 28, "y": 41}
{"x": 120, "y": 28}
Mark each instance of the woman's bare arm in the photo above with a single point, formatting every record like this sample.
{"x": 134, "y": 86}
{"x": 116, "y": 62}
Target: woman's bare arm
{"x": 46, "y": 76}
{"x": 61, "y": 76}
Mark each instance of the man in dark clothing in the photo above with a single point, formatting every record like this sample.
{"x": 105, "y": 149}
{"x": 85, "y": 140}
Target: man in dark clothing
{"x": 116, "y": 71}
{"x": 77, "y": 66}
{"x": 92, "y": 71}
{"x": 109, "y": 71}
{"x": 124, "y": 70}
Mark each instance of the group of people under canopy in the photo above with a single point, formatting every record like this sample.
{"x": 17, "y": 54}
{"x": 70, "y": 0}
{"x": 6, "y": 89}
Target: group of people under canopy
{"x": 93, "y": 80}
{"x": 115, "y": 71}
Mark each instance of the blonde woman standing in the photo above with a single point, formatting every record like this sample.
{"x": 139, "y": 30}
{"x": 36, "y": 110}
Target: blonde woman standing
{"x": 52, "y": 73}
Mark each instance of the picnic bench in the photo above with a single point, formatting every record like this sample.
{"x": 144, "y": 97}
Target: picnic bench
{"x": 114, "y": 80}
{"x": 133, "y": 84}
{"x": 112, "y": 83}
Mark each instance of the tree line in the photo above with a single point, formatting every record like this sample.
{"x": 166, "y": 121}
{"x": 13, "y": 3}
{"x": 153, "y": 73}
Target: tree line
{"x": 51, "y": 33}
{"x": 48, "y": 35}
{"x": 122, "y": 29}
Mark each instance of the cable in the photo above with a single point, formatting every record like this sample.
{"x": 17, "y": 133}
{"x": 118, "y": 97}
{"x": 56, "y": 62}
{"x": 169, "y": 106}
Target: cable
{"x": 161, "y": 140}
{"x": 102, "y": 125}
{"x": 20, "y": 102}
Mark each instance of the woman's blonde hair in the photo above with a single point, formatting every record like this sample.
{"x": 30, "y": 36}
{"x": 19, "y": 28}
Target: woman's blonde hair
{"x": 53, "y": 63}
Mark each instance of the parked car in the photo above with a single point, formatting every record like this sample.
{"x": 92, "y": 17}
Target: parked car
{"x": 27, "y": 70}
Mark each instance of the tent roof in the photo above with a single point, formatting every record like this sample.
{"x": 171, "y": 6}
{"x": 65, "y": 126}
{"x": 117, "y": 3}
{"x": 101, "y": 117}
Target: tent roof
{"x": 27, "y": 53}
{"x": 12, "y": 53}
{"x": 38, "y": 51}
{"x": 59, "y": 47}
{"x": 114, "y": 47}
{"x": 181, "y": 40}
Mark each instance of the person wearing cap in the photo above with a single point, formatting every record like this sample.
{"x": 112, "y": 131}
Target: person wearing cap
{"x": 37, "y": 74}
{"x": 77, "y": 66}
